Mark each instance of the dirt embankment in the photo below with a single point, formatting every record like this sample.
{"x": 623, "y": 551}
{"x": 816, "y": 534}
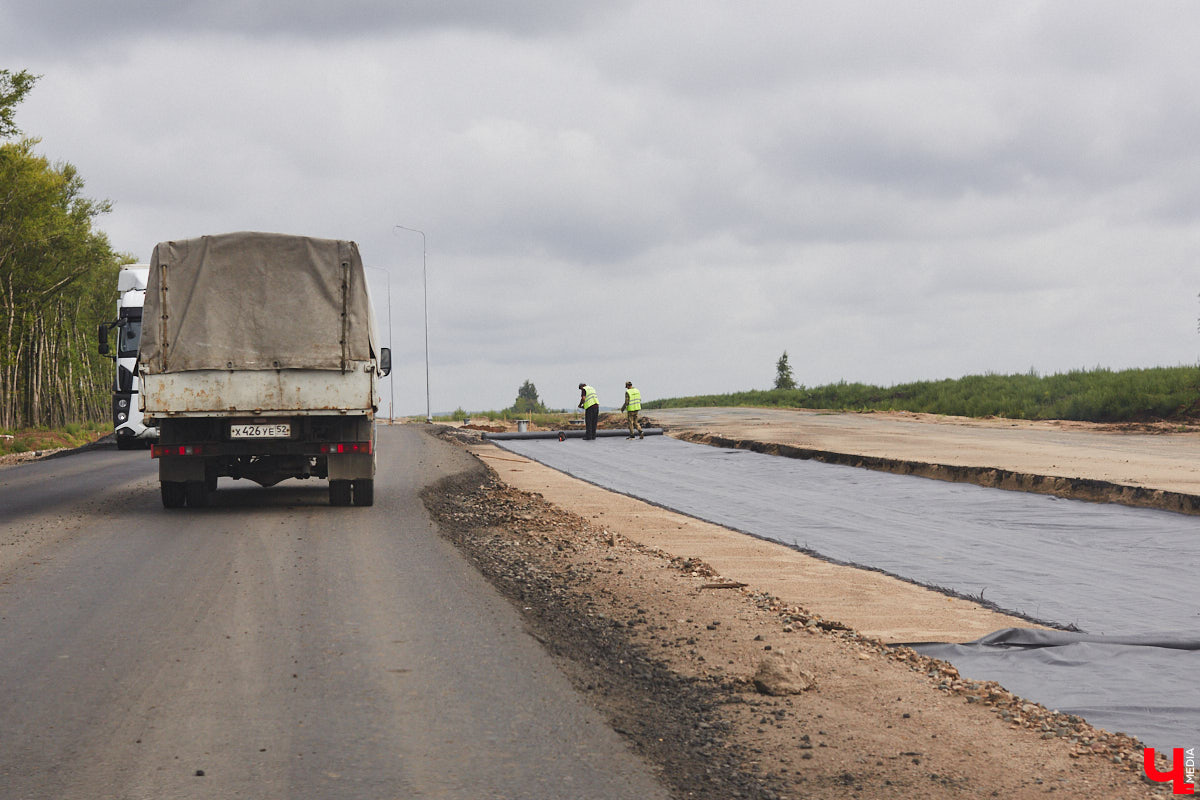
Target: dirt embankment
{"x": 734, "y": 692}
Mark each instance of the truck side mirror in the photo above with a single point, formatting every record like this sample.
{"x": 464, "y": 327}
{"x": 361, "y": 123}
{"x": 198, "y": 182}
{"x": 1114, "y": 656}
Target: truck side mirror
{"x": 102, "y": 335}
{"x": 385, "y": 361}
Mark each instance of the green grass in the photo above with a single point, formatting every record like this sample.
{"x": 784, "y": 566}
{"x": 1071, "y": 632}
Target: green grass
{"x": 1098, "y": 395}
{"x": 73, "y": 434}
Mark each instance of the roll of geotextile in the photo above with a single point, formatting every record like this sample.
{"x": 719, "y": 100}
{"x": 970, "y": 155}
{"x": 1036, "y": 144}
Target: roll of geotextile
{"x": 567, "y": 434}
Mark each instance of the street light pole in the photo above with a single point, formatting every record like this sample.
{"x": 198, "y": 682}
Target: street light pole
{"x": 425, "y": 288}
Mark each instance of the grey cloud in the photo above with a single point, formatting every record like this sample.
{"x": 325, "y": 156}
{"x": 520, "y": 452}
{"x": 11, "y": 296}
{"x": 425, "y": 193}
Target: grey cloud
{"x": 70, "y": 24}
{"x": 676, "y": 191}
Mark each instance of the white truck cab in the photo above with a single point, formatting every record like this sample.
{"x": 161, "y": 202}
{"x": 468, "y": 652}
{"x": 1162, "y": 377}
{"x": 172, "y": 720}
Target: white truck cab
{"x": 128, "y": 424}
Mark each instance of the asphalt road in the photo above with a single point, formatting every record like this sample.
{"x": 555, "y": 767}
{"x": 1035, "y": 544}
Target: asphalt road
{"x": 272, "y": 647}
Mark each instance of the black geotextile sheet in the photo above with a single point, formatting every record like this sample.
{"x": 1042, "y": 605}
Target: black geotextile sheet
{"x": 1125, "y": 577}
{"x": 1144, "y": 685}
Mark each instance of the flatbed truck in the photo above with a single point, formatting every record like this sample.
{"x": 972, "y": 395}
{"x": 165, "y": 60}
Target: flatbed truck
{"x": 260, "y": 361}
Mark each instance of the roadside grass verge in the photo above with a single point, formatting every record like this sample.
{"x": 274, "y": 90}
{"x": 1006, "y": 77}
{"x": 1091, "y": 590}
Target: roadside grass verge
{"x": 75, "y": 434}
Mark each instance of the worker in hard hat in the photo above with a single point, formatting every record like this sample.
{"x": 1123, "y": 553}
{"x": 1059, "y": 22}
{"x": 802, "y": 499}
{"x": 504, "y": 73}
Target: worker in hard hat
{"x": 591, "y": 410}
{"x": 631, "y": 407}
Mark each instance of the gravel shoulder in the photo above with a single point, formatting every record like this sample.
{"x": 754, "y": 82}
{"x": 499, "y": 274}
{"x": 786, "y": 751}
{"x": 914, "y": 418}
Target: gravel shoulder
{"x": 744, "y": 669}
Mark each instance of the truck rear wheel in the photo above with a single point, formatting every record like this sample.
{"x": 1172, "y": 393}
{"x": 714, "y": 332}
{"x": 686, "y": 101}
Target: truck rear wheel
{"x": 339, "y": 493}
{"x": 197, "y": 494}
{"x": 364, "y": 492}
{"x": 173, "y": 494}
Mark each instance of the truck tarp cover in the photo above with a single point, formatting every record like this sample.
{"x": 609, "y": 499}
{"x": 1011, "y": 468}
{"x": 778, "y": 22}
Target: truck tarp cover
{"x": 256, "y": 301}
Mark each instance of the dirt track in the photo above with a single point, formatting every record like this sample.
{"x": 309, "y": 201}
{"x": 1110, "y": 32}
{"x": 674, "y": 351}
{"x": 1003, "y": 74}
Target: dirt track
{"x": 610, "y": 582}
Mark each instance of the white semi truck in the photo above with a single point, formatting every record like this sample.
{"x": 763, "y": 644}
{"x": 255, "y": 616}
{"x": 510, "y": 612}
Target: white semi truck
{"x": 260, "y": 360}
{"x": 128, "y": 425}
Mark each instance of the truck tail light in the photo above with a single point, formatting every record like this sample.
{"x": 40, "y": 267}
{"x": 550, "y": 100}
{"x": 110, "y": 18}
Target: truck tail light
{"x": 346, "y": 447}
{"x": 160, "y": 450}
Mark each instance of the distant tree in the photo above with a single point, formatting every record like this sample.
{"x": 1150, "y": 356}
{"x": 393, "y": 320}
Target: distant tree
{"x": 527, "y": 400}
{"x": 13, "y": 88}
{"x": 783, "y": 373}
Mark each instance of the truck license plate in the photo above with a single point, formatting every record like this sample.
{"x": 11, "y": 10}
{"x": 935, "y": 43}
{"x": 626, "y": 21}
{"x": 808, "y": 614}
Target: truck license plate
{"x": 276, "y": 430}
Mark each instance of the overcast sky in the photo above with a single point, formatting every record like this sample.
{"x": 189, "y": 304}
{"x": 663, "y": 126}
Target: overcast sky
{"x": 668, "y": 192}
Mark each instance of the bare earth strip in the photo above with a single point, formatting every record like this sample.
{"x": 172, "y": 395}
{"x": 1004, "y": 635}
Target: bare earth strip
{"x": 1161, "y": 465}
{"x": 872, "y": 603}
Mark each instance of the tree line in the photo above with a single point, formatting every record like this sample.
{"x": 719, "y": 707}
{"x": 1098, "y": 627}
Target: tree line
{"x": 57, "y": 281}
{"x": 1096, "y": 395}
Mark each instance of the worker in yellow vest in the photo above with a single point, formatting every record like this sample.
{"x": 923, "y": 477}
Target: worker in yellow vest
{"x": 631, "y": 407}
{"x": 591, "y": 409}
